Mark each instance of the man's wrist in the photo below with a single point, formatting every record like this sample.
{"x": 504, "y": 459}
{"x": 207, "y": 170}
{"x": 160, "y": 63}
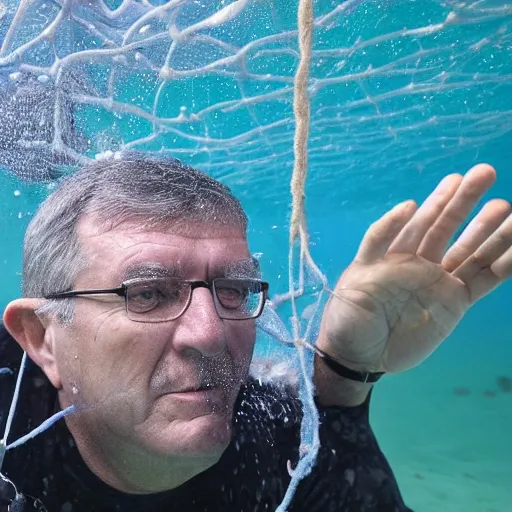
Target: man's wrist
{"x": 346, "y": 372}
{"x": 335, "y": 390}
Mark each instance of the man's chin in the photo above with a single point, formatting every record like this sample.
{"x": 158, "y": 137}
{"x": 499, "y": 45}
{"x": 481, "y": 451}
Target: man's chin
{"x": 205, "y": 436}
{"x": 210, "y": 434}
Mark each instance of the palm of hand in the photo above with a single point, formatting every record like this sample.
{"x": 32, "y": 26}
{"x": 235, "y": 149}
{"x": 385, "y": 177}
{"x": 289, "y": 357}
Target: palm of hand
{"x": 402, "y": 295}
{"x": 399, "y": 309}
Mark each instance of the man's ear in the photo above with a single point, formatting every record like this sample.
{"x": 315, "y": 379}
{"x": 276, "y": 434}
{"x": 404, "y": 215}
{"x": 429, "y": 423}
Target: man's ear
{"x": 27, "y": 328}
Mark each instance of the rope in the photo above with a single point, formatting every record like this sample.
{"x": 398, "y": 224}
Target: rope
{"x": 301, "y": 110}
{"x": 298, "y": 230}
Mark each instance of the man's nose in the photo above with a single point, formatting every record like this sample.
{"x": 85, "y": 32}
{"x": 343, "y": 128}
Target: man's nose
{"x": 200, "y": 327}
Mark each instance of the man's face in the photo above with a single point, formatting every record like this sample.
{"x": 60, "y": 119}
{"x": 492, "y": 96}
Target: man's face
{"x": 164, "y": 389}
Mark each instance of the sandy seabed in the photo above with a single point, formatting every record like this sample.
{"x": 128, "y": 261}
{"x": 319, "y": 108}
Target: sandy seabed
{"x": 447, "y": 432}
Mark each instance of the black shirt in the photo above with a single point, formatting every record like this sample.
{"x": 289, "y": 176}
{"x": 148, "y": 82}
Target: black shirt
{"x": 350, "y": 474}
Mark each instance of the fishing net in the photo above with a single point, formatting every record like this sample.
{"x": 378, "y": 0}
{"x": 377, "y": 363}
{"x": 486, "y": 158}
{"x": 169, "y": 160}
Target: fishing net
{"x": 408, "y": 83}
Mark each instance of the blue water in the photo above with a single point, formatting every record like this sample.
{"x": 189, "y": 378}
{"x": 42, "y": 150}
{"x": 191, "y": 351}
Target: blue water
{"x": 400, "y": 97}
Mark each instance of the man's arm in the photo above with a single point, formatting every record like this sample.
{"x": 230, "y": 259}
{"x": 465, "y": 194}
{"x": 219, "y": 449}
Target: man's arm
{"x": 350, "y": 473}
{"x": 331, "y": 388}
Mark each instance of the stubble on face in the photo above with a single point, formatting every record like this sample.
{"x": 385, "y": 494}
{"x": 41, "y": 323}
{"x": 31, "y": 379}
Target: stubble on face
{"x": 219, "y": 377}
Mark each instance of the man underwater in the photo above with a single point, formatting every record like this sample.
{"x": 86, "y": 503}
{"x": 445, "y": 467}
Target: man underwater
{"x": 139, "y": 304}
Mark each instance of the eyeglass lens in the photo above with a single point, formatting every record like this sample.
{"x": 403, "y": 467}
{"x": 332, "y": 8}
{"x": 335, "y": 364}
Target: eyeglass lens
{"x": 159, "y": 300}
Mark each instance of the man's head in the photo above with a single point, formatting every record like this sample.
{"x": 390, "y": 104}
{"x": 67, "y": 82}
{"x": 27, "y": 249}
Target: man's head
{"x": 155, "y": 387}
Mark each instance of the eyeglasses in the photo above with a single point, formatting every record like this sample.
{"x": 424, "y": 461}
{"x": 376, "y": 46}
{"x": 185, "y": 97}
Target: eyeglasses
{"x": 165, "y": 299}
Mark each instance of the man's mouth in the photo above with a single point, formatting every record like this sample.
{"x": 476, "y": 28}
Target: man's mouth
{"x": 200, "y": 387}
{"x": 214, "y": 398}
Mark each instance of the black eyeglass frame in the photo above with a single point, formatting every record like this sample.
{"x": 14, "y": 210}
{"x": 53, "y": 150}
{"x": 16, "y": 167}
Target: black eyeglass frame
{"x": 122, "y": 292}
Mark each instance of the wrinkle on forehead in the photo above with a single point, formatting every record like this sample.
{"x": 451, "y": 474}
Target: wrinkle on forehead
{"x": 93, "y": 226}
{"x": 99, "y": 240}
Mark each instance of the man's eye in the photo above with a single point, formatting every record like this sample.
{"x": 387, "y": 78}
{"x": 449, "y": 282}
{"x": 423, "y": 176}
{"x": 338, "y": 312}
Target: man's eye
{"x": 231, "y": 297}
{"x": 145, "y": 298}
{"x": 148, "y": 295}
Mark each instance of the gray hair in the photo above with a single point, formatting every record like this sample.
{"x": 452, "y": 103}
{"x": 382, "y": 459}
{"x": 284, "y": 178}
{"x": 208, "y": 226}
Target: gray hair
{"x": 154, "y": 191}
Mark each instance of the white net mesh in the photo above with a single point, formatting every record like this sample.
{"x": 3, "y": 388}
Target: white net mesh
{"x": 409, "y": 84}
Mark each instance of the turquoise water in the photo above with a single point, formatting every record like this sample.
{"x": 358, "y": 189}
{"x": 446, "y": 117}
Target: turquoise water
{"x": 402, "y": 92}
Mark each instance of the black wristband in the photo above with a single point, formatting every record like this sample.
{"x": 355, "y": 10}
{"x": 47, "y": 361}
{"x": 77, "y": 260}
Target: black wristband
{"x": 345, "y": 372}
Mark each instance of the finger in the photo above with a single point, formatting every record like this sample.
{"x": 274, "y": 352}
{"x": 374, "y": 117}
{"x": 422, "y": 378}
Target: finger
{"x": 490, "y": 217}
{"x": 475, "y": 184}
{"x": 380, "y": 234}
{"x": 489, "y": 278}
{"x": 482, "y": 283}
{"x": 409, "y": 239}
{"x": 502, "y": 267}
{"x": 488, "y": 257}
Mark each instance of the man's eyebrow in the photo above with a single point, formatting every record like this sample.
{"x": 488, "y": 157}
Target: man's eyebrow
{"x": 150, "y": 270}
{"x": 248, "y": 267}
